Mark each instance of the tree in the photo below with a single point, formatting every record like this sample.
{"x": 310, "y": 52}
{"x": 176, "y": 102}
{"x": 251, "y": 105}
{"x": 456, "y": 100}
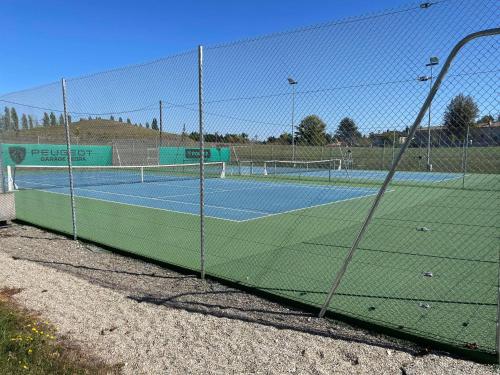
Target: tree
{"x": 30, "y": 122}
{"x": 195, "y": 136}
{"x": 147, "y": 125}
{"x": 46, "y": 120}
{"x": 129, "y": 122}
{"x": 485, "y": 120}
{"x": 61, "y": 119}
{"x": 6, "y": 119}
{"x": 14, "y": 119}
{"x": 53, "y": 119}
{"x": 69, "y": 119}
{"x": 311, "y": 130}
{"x": 24, "y": 122}
{"x": 111, "y": 118}
{"x": 347, "y": 131}
{"x": 120, "y": 119}
{"x": 283, "y": 139}
{"x": 460, "y": 114}
{"x": 154, "y": 124}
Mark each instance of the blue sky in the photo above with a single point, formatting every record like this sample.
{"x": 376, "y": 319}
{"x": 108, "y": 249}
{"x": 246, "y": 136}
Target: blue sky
{"x": 358, "y": 59}
{"x": 43, "y": 41}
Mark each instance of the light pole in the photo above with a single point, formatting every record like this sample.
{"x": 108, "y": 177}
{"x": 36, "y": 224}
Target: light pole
{"x": 292, "y": 83}
{"x": 432, "y": 62}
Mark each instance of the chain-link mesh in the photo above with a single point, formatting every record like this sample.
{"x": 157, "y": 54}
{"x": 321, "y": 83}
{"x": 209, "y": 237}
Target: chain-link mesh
{"x": 300, "y": 131}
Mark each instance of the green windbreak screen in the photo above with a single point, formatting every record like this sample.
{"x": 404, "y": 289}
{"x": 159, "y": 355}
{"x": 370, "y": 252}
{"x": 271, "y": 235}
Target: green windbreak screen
{"x": 183, "y": 155}
{"x": 45, "y": 154}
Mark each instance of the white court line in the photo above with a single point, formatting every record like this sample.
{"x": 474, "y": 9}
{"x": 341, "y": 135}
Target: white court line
{"x": 218, "y": 191}
{"x": 162, "y": 200}
{"x": 218, "y": 207}
{"x": 241, "y": 210}
{"x": 148, "y": 207}
{"x": 275, "y": 185}
{"x": 300, "y": 185}
{"x": 173, "y": 201}
{"x": 317, "y": 205}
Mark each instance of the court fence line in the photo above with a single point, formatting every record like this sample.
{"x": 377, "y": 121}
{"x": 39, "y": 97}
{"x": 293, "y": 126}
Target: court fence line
{"x": 392, "y": 171}
{"x": 293, "y": 229}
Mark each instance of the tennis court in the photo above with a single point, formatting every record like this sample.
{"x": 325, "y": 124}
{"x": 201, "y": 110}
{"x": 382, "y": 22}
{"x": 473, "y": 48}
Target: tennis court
{"x": 172, "y": 188}
{"x": 411, "y": 287}
{"x": 298, "y": 171}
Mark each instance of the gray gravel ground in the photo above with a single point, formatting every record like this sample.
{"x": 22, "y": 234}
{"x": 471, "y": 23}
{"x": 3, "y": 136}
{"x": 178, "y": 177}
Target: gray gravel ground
{"x": 156, "y": 321}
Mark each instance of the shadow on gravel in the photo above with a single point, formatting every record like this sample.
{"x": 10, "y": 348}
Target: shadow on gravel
{"x": 54, "y": 264}
{"x": 244, "y": 315}
{"x": 171, "y": 301}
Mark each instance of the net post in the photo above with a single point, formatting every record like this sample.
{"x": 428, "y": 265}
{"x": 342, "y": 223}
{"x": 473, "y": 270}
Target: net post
{"x": 70, "y": 162}
{"x": 265, "y": 168}
{"x": 432, "y": 93}
{"x": 202, "y": 161}
{"x": 142, "y": 174}
{"x": 10, "y": 179}
{"x": 330, "y": 171}
{"x": 223, "y": 172}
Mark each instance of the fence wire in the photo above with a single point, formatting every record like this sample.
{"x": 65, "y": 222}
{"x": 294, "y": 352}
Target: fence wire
{"x": 300, "y": 131}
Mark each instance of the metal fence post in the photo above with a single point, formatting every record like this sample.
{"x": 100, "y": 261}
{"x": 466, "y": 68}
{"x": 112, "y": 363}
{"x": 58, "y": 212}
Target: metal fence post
{"x": 464, "y": 156}
{"x": 202, "y": 160}
{"x": 2, "y": 178}
{"x": 70, "y": 165}
{"x": 390, "y": 175}
{"x": 161, "y": 122}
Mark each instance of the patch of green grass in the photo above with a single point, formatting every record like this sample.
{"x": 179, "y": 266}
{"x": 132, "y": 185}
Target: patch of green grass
{"x": 29, "y": 345}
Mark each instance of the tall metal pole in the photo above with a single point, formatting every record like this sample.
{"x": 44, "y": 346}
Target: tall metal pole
{"x": 70, "y": 162}
{"x": 393, "y": 144}
{"x": 293, "y": 82}
{"x": 202, "y": 160}
{"x": 161, "y": 122}
{"x": 293, "y": 121}
{"x": 3, "y": 187}
{"x": 429, "y": 165}
{"x": 411, "y": 133}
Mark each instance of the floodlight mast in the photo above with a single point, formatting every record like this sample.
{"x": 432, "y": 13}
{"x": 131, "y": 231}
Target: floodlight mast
{"x": 432, "y": 62}
{"x": 293, "y": 83}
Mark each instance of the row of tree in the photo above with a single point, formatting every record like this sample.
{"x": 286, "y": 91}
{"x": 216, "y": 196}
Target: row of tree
{"x": 9, "y": 120}
{"x": 460, "y": 114}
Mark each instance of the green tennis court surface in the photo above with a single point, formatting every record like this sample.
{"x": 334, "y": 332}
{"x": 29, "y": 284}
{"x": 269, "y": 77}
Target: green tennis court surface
{"x": 440, "y": 283}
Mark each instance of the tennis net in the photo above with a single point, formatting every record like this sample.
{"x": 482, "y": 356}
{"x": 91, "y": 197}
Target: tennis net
{"x": 47, "y": 177}
{"x": 297, "y": 166}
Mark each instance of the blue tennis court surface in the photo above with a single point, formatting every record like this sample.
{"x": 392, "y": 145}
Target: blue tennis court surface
{"x": 224, "y": 198}
{"x": 371, "y": 175}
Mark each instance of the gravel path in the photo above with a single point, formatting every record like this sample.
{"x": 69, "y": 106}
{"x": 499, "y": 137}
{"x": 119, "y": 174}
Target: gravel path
{"x": 156, "y": 321}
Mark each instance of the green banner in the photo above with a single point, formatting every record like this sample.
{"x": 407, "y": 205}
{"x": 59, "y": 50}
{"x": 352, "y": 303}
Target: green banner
{"x": 187, "y": 155}
{"x": 48, "y": 154}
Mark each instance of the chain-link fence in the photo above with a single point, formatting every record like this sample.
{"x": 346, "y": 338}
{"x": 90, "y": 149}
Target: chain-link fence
{"x": 351, "y": 166}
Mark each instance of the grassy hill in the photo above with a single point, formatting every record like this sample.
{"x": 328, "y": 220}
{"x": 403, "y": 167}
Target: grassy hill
{"x": 95, "y": 131}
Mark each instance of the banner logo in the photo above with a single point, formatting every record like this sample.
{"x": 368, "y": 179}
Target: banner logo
{"x": 195, "y": 153}
{"x": 17, "y": 154}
